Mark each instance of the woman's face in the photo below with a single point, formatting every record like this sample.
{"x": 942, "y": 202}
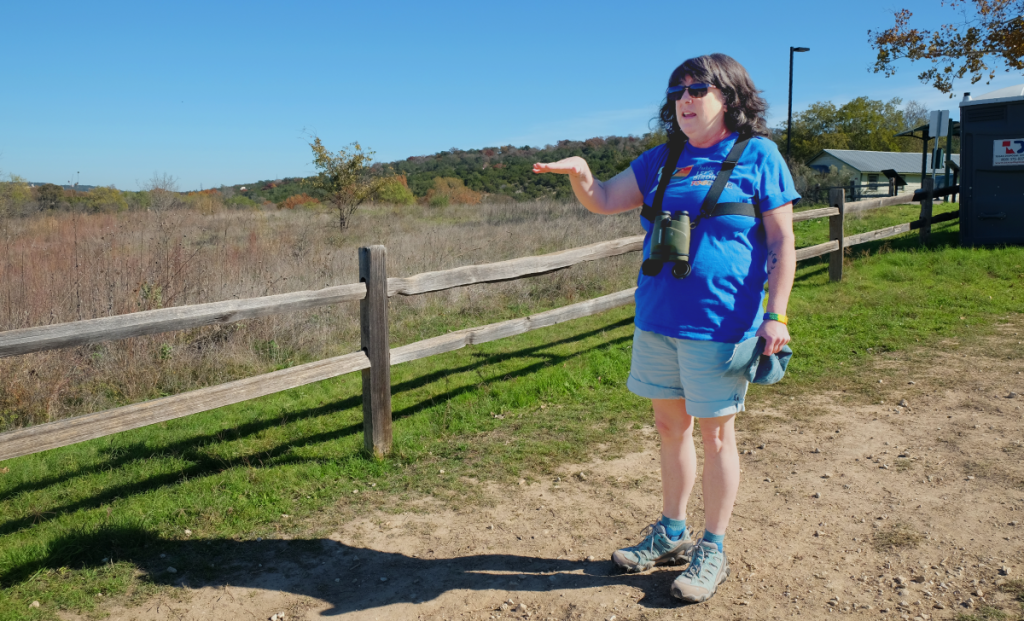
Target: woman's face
{"x": 702, "y": 120}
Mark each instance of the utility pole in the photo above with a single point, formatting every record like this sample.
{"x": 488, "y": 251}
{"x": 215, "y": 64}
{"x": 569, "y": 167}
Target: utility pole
{"x": 789, "y": 123}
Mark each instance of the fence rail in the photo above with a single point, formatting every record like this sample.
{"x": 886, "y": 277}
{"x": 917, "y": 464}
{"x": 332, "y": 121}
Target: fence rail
{"x": 61, "y": 335}
{"x": 376, "y": 357}
{"x": 512, "y": 269}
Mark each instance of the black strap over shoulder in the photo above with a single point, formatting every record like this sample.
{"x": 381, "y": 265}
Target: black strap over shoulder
{"x": 675, "y": 151}
{"x": 736, "y": 209}
{"x": 711, "y": 207}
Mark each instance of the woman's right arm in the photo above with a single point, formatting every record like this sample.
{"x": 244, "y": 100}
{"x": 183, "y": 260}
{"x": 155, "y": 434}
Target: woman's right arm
{"x": 618, "y": 194}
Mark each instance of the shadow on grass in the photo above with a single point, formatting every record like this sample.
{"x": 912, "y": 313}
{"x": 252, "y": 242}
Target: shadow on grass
{"x": 190, "y": 449}
{"x": 346, "y": 577}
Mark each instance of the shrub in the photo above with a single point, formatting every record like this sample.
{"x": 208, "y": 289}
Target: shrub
{"x": 205, "y": 202}
{"x": 14, "y": 193}
{"x": 105, "y": 199}
{"x": 295, "y": 200}
{"x": 49, "y": 195}
{"x": 240, "y": 202}
{"x": 438, "y": 200}
{"x": 454, "y": 190}
{"x": 137, "y": 201}
{"x": 164, "y": 200}
{"x": 396, "y": 191}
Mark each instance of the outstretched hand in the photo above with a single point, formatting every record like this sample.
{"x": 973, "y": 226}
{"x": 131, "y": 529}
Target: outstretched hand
{"x": 569, "y": 166}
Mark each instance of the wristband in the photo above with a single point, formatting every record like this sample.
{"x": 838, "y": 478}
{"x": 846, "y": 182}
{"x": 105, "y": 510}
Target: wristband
{"x": 776, "y": 317}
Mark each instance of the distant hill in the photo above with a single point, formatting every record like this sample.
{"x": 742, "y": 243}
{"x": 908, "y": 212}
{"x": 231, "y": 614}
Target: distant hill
{"x": 80, "y": 187}
{"x": 507, "y": 170}
{"x": 503, "y": 171}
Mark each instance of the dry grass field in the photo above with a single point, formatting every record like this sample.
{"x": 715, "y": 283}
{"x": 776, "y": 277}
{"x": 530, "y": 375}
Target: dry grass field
{"x": 66, "y": 267}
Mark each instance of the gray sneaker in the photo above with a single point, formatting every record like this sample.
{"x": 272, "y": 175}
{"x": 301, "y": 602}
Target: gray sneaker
{"x": 655, "y": 549}
{"x": 708, "y": 569}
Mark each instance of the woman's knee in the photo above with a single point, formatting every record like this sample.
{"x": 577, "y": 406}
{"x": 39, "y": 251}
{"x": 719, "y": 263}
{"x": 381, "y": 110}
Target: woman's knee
{"x": 671, "y": 419}
{"x": 718, "y": 434}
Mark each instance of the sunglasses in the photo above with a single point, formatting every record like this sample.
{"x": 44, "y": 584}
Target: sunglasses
{"x": 697, "y": 90}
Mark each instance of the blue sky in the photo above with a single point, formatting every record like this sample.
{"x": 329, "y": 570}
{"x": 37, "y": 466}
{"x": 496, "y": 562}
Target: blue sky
{"x": 227, "y": 92}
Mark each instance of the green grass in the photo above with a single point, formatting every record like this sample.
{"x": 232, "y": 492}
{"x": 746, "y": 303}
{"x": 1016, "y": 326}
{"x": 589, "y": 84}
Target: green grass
{"x": 895, "y": 294}
{"x": 230, "y": 474}
{"x": 94, "y": 517}
{"x": 1014, "y": 588}
{"x": 811, "y": 232}
{"x": 984, "y": 613}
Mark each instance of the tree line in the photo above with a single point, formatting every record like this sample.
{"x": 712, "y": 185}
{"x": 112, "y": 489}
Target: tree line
{"x": 349, "y": 178}
{"x": 504, "y": 172}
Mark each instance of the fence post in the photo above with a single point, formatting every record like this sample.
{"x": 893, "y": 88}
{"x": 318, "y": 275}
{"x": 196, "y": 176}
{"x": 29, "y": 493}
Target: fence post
{"x": 837, "y": 198}
{"x": 892, "y": 187}
{"x": 373, "y": 330}
{"x": 926, "y": 209}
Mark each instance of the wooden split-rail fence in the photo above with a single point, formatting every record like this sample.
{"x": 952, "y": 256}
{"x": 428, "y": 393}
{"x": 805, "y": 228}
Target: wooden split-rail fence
{"x": 376, "y": 357}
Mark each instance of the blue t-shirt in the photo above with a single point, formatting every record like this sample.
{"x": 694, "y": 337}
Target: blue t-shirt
{"x": 721, "y": 298}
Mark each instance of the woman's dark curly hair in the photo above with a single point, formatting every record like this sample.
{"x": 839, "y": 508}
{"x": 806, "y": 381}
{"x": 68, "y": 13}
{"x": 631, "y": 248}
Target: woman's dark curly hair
{"x": 744, "y": 106}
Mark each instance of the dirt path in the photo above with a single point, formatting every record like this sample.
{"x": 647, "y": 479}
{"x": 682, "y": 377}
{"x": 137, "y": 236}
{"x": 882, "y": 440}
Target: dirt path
{"x": 868, "y": 510}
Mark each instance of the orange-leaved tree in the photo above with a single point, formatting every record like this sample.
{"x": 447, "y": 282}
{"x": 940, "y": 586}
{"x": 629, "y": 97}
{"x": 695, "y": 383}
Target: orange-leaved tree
{"x": 987, "y": 34}
{"x": 452, "y": 190}
{"x": 297, "y": 199}
{"x": 346, "y": 178}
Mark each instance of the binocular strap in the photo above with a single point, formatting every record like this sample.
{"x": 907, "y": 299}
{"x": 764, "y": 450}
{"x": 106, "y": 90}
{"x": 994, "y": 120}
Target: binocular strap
{"x": 711, "y": 206}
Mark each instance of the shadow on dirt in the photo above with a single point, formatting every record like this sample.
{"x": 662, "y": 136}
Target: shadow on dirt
{"x": 348, "y": 578}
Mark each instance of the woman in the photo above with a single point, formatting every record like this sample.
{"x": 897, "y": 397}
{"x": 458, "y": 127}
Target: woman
{"x": 688, "y": 327}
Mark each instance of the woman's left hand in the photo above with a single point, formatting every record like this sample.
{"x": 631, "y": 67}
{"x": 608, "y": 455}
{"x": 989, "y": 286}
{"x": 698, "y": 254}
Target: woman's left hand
{"x": 775, "y": 333}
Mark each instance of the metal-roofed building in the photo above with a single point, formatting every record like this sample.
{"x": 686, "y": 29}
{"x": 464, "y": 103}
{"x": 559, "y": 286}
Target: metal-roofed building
{"x": 866, "y": 166}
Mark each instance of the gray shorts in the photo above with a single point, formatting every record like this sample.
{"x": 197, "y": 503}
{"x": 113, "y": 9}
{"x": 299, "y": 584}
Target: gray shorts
{"x": 669, "y": 368}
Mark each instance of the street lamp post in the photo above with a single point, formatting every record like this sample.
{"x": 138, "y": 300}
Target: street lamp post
{"x": 789, "y": 123}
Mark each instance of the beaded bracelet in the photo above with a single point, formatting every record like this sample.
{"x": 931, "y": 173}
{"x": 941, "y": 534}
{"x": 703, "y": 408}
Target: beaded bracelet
{"x": 776, "y": 317}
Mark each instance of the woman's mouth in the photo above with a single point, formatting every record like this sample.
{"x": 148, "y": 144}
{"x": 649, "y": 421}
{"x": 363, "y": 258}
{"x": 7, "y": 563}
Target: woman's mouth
{"x": 689, "y": 115}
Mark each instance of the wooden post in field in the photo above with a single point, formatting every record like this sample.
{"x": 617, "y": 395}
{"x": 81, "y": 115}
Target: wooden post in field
{"x": 892, "y": 187}
{"x": 373, "y": 328}
{"x": 837, "y": 198}
{"x": 926, "y": 209}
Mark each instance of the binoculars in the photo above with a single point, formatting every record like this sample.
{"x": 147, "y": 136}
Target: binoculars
{"x": 670, "y": 243}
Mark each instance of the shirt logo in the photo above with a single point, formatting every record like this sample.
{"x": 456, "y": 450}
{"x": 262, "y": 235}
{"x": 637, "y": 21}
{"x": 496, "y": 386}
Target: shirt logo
{"x": 704, "y": 176}
{"x": 680, "y": 173}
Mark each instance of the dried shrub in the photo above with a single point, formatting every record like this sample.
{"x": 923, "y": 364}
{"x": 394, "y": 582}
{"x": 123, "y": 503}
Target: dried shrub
{"x": 899, "y": 535}
{"x": 1014, "y": 588}
{"x": 298, "y": 199}
{"x": 138, "y": 260}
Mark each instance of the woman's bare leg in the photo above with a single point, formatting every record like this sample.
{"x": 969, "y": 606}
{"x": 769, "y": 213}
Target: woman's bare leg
{"x": 678, "y": 457}
{"x": 721, "y": 471}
